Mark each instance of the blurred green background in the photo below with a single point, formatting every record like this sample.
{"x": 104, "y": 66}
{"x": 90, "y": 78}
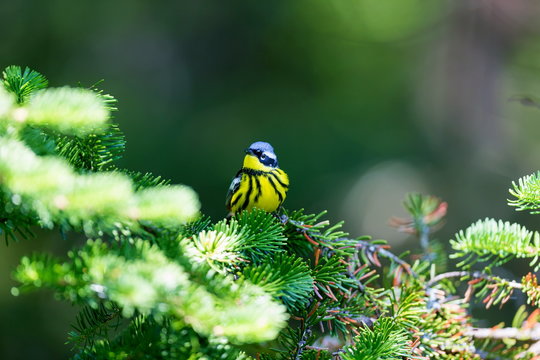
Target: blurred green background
{"x": 363, "y": 100}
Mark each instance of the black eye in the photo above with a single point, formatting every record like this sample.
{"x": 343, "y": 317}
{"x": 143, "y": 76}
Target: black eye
{"x": 263, "y": 156}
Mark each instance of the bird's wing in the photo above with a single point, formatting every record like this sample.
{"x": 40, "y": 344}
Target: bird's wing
{"x": 233, "y": 188}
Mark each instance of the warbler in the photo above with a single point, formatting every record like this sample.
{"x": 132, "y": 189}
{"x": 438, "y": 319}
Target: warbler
{"x": 260, "y": 183}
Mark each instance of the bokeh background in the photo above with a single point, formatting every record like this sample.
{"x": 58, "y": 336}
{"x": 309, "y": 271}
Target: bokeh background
{"x": 363, "y": 100}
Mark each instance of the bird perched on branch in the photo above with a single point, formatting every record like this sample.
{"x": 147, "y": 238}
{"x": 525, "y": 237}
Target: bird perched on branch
{"x": 260, "y": 183}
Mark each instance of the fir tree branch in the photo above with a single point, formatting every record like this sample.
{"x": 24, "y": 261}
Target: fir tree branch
{"x": 386, "y": 340}
{"x": 287, "y": 277}
{"x": 305, "y": 333}
{"x": 472, "y": 274}
{"x": 527, "y": 193}
{"x": 427, "y": 214}
{"x": 495, "y": 242}
{"x": 23, "y": 83}
{"x": 142, "y": 280}
{"x": 522, "y": 334}
{"x": 93, "y": 152}
{"x": 71, "y": 111}
{"x": 187, "y": 288}
{"x": 534, "y": 349}
{"x": 93, "y": 324}
{"x": 145, "y": 180}
{"x": 382, "y": 249}
{"x": 492, "y": 289}
{"x": 48, "y": 189}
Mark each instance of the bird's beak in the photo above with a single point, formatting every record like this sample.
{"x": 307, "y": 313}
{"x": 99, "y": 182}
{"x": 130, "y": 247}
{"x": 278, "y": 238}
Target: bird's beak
{"x": 248, "y": 151}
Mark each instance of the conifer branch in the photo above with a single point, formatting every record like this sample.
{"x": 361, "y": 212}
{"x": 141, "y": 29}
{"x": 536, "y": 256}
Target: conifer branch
{"x": 71, "y": 111}
{"x": 288, "y": 278}
{"x": 471, "y": 274}
{"x": 145, "y": 180}
{"x": 371, "y": 251}
{"x": 93, "y": 152}
{"x": 527, "y": 193}
{"x": 495, "y": 242}
{"x": 157, "y": 280}
{"x": 47, "y": 188}
{"x": 22, "y": 83}
{"x": 427, "y": 215}
{"x": 140, "y": 279}
{"x": 94, "y": 324}
{"x": 493, "y": 290}
{"x": 385, "y": 340}
{"x": 530, "y": 334}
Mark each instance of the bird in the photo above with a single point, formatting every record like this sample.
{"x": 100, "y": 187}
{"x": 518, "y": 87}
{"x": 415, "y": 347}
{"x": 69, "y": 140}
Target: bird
{"x": 260, "y": 183}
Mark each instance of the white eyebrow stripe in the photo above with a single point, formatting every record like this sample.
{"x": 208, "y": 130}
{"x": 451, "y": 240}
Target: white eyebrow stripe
{"x": 270, "y": 154}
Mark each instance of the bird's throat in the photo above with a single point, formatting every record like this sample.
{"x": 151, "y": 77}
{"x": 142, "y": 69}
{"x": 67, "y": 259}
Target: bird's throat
{"x": 253, "y": 163}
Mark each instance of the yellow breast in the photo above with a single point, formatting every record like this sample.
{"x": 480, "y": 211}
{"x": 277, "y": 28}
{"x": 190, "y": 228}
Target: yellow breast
{"x": 260, "y": 187}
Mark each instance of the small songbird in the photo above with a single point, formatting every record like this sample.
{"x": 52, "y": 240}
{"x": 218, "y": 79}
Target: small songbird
{"x": 260, "y": 183}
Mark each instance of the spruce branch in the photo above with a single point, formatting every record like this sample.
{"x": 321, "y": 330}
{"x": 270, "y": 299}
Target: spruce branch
{"x": 530, "y": 286}
{"x": 441, "y": 329}
{"x": 332, "y": 273}
{"x": 13, "y": 228}
{"x": 145, "y": 180}
{"x": 316, "y": 353}
{"x": 214, "y": 248}
{"x": 109, "y": 101}
{"x": 287, "y": 277}
{"x": 157, "y": 281}
{"x": 427, "y": 214}
{"x": 471, "y": 274}
{"x": 304, "y": 334}
{"x": 387, "y": 340}
{"x": 71, "y": 111}
{"x": 41, "y": 142}
{"x": 147, "y": 338}
{"x": 48, "y": 188}
{"x": 527, "y": 193}
{"x": 250, "y": 236}
{"x": 495, "y": 242}
{"x": 532, "y": 334}
{"x": 93, "y": 152}
{"x": 408, "y": 306}
{"x": 306, "y": 232}
{"x": 370, "y": 252}
{"x": 164, "y": 206}
{"x": 196, "y": 226}
{"x": 94, "y": 324}
{"x": 493, "y": 290}
{"x": 261, "y": 234}
{"x": 22, "y": 83}
{"x": 142, "y": 280}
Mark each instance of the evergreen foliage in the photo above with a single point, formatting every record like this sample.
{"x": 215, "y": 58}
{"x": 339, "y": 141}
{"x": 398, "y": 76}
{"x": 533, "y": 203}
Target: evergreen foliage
{"x": 157, "y": 280}
{"x": 527, "y": 193}
{"x": 386, "y": 340}
{"x": 495, "y": 242}
{"x": 22, "y": 83}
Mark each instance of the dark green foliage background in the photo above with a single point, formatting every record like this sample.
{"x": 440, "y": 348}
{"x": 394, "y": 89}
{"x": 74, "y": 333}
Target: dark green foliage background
{"x": 341, "y": 89}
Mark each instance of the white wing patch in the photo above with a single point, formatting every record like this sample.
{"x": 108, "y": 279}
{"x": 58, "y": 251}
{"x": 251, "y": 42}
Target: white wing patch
{"x": 235, "y": 183}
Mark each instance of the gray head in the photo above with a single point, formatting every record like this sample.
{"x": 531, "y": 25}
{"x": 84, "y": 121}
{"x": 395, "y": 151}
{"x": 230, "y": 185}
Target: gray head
{"x": 264, "y": 152}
